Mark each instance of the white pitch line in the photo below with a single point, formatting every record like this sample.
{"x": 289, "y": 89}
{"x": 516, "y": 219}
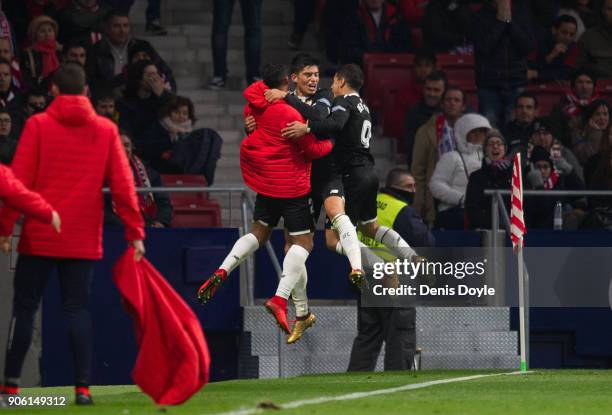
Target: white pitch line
{"x": 359, "y": 395}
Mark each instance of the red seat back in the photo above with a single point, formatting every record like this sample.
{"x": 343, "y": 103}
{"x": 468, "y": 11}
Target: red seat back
{"x": 380, "y": 68}
{"x": 458, "y": 68}
{"x": 185, "y": 180}
{"x": 192, "y": 214}
{"x": 548, "y": 95}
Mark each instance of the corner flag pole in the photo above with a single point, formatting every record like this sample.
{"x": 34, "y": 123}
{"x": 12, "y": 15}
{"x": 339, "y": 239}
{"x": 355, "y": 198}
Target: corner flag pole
{"x": 517, "y": 232}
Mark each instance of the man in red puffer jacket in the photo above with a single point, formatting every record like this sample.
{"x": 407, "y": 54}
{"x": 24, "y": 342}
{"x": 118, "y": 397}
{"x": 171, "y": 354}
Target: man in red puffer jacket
{"x": 66, "y": 154}
{"x": 278, "y": 169}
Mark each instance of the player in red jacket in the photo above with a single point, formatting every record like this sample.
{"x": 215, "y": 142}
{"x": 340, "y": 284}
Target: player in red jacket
{"x": 278, "y": 169}
{"x": 66, "y": 154}
{"x": 14, "y": 194}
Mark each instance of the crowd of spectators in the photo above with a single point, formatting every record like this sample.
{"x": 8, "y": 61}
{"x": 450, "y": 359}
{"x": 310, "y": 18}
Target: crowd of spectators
{"x": 128, "y": 82}
{"x": 566, "y": 44}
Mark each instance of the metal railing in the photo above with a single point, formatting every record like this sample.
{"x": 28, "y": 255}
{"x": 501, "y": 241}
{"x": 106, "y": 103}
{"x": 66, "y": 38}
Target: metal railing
{"x": 246, "y": 205}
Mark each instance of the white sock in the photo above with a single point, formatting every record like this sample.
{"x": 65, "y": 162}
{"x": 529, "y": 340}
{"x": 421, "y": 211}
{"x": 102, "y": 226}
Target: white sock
{"x": 394, "y": 242}
{"x": 294, "y": 261}
{"x": 348, "y": 239}
{"x": 368, "y": 258}
{"x": 243, "y": 247}
{"x": 300, "y": 295}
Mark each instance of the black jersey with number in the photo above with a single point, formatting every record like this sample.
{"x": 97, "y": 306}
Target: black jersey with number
{"x": 351, "y": 126}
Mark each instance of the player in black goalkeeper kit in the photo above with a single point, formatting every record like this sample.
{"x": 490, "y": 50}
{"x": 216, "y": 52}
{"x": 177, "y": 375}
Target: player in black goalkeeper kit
{"x": 349, "y": 123}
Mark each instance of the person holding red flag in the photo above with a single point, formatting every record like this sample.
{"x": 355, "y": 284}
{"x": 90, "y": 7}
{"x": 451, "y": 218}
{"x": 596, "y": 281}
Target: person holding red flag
{"x": 66, "y": 154}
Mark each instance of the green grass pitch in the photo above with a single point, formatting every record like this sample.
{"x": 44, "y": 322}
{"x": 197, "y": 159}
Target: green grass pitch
{"x": 539, "y": 392}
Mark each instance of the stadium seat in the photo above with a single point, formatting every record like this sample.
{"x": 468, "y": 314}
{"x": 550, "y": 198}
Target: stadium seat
{"x": 605, "y": 89}
{"x": 185, "y": 180}
{"x": 548, "y": 95}
{"x": 205, "y": 214}
{"x": 386, "y": 68}
{"x": 458, "y": 68}
{"x": 393, "y": 119}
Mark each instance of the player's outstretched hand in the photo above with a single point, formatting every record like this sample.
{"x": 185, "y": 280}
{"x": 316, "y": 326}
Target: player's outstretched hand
{"x": 274, "y": 94}
{"x": 139, "y": 250}
{"x": 5, "y": 244}
{"x": 56, "y": 222}
{"x": 294, "y": 129}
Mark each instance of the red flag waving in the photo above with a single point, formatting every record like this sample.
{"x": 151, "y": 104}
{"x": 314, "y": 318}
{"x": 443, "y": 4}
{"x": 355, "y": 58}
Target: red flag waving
{"x": 173, "y": 359}
{"x": 517, "y": 223}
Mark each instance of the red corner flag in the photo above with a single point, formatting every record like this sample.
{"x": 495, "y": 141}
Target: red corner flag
{"x": 517, "y": 223}
{"x": 173, "y": 359}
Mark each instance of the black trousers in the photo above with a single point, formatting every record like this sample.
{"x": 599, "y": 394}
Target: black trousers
{"x": 31, "y": 276}
{"x": 394, "y": 326}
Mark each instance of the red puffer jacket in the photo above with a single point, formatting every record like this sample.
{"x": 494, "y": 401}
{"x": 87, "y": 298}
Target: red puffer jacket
{"x": 14, "y": 194}
{"x": 271, "y": 164}
{"x": 66, "y": 155}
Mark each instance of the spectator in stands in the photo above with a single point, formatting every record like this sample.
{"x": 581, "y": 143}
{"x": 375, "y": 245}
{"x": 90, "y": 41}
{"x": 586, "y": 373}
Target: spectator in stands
{"x": 75, "y": 51}
{"x": 376, "y": 26}
{"x": 600, "y": 178}
{"x": 555, "y": 58}
{"x": 565, "y": 117}
{"x": 144, "y": 97}
{"x": 334, "y": 12}
{"x": 432, "y": 140}
{"x": 6, "y": 53}
{"x": 449, "y": 181}
{"x": 424, "y": 64}
{"x": 82, "y": 20}
{"x": 8, "y": 138}
{"x": 433, "y": 89}
{"x": 582, "y": 11}
{"x": 595, "y": 45}
{"x": 447, "y": 25}
{"x": 502, "y": 41}
{"x": 35, "y": 102}
{"x": 109, "y": 57}
{"x": 42, "y": 58}
{"x": 495, "y": 173}
{"x": 518, "y": 131}
{"x": 303, "y": 13}
{"x": 172, "y": 145}
{"x": 156, "y": 208}
{"x": 595, "y": 121}
{"x": 590, "y": 167}
{"x": 543, "y": 175}
{"x": 145, "y": 52}
{"x": 222, "y": 19}
{"x": 105, "y": 105}
{"x": 152, "y": 14}
{"x": 565, "y": 161}
{"x": 413, "y": 11}
{"x": 11, "y": 98}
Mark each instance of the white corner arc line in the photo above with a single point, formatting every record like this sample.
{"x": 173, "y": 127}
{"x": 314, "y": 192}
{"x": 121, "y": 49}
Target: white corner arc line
{"x": 359, "y": 395}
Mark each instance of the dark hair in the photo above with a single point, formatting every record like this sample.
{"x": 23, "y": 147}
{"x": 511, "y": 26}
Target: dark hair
{"x": 454, "y": 88}
{"x": 394, "y": 176}
{"x": 602, "y": 176}
{"x": 5, "y": 62}
{"x": 275, "y": 75}
{"x": 423, "y": 56}
{"x": 141, "y": 47}
{"x": 70, "y": 79}
{"x": 36, "y": 92}
{"x": 582, "y": 71}
{"x": 564, "y": 18}
{"x": 115, "y": 13}
{"x": 135, "y": 71}
{"x": 526, "y": 95}
{"x": 590, "y": 110}
{"x": 352, "y": 75}
{"x": 302, "y": 60}
{"x": 102, "y": 94}
{"x": 177, "y": 102}
{"x": 74, "y": 43}
{"x": 436, "y": 76}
